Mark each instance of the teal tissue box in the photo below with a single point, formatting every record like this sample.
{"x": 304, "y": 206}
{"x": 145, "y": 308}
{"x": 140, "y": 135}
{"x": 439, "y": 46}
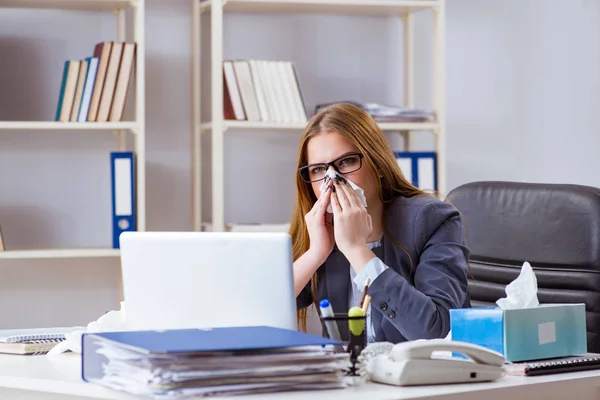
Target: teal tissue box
{"x": 546, "y": 331}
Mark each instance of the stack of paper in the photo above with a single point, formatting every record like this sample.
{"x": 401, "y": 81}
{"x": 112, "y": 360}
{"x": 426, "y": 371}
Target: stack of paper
{"x": 195, "y": 363}
{"x": 389, "y": 113}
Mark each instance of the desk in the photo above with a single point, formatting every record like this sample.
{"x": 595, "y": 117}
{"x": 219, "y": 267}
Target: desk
{"x": 58, "y": 377}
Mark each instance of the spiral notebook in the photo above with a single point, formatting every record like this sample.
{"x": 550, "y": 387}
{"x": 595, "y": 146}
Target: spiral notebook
{"x": 32, "y": 341}
{"x": 555, "y": 366}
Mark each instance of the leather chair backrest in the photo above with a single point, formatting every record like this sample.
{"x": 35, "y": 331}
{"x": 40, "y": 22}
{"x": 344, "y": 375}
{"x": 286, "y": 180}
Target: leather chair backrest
{"x": 555, "y": 227}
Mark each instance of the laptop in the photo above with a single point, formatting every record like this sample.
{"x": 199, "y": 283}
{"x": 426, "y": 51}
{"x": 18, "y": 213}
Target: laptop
{"x": 179, "y": 280}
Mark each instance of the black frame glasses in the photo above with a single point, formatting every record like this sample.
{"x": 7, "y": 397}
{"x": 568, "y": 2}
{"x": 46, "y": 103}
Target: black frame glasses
{"x": 304, "y": 171}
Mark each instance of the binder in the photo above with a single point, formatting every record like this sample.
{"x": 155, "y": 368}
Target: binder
{"x": 123, "y": 194}
{"x": 585, "y": 362}
{"x": 420, "y": 168}
{"x": 185, "y": 343}
{"x": 209, "y": 340}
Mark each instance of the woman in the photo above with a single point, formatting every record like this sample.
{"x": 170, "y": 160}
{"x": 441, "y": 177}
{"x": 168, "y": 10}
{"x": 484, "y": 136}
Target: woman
{"x": 408, "y": 243}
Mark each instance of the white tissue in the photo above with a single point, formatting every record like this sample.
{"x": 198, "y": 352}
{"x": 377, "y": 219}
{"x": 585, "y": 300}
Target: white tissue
{"x": 332, "y": 174}
{"x": 522, "y": 292}
{"x": 111, "y": 321}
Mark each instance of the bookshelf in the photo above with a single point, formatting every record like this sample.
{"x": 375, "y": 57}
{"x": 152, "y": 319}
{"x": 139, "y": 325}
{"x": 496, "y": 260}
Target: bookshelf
{"x": 217, "y": 126}
{"x": 58, "y": 253}
{"x": 130, "y": 18}
{"x": 52, "y": 125}
{"x": 82, "y": 5}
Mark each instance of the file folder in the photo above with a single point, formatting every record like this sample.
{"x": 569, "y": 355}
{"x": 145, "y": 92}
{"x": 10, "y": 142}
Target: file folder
{"x": 191, "y": 342}
{"x": 420, "y": 168}
{"x": 123, "y": 194}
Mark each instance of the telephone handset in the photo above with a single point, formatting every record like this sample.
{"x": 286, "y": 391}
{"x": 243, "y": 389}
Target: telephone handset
{"x": 411, "y": 363}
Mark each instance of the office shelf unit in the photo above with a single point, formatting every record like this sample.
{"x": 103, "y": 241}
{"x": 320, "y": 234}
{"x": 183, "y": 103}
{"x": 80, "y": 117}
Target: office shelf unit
{"x": 218, "y": 125}
{"x": 136, "y": 127}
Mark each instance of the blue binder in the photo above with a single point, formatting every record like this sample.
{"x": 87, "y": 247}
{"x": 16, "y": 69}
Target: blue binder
{"x": 123, "y": 194}
{"x": 420, "y": 168}
{"x": 192, "y": 341}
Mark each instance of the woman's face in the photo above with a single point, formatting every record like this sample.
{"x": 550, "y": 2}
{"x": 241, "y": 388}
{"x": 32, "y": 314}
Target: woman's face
{"x": 330, "y": 146}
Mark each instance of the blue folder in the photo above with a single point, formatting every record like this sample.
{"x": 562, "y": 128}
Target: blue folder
{"x": 190, "y": 341}
{"x": 426, "y": 180}
{"x": 122, "y": 169}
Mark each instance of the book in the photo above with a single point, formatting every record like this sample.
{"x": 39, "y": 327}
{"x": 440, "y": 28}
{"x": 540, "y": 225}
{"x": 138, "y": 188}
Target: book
{"x": 122, "y": 84}
{"x": 555, "y": 365}
{"x": 90, "y": 81}
{"x": 81, "y": 77}
{"x": 67, "y": 90}
{"x": 32, "y": 341}
{"x": 102, "y": 51}
{"x": 261, "y": 90}
{"x": 95, "y": 89}
{"x": 2, "y": 247}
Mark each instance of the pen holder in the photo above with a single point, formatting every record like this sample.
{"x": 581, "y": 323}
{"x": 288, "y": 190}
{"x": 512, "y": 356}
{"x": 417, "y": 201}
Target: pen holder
{"x": 358, "y": 340}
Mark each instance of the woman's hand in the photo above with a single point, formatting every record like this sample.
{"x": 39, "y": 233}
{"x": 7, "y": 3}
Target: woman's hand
{"x": 320, "y": 229}
{"x": 352, "y": 224}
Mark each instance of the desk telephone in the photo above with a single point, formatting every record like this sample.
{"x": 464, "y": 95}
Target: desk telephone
{"x": 411, "y": 363}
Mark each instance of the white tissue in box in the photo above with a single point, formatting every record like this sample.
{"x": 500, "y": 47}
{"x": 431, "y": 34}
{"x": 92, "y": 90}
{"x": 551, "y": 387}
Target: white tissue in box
{"x": 522, "y": 292}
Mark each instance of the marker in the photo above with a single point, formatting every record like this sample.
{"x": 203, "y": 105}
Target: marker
{"x": 331, "y": 326}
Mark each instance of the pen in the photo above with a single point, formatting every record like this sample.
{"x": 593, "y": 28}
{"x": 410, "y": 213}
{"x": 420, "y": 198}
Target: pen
{"x": 365, "y": 305}
{"x": 362, "y": 300}
{"x": 331, "y": 326}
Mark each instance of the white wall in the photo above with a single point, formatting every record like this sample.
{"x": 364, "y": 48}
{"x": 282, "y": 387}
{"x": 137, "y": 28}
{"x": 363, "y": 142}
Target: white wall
{"x": 523, "y": 91}
{"x": 521, "y": 100}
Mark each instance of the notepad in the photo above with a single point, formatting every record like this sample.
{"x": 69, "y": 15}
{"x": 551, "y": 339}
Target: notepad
{"x": 32, "y": 341}
{"x": 29, "y": 335}
{"x": 555, "y": 366}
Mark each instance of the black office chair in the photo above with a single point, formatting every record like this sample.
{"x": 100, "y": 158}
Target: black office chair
{"x": 555, "y": 227}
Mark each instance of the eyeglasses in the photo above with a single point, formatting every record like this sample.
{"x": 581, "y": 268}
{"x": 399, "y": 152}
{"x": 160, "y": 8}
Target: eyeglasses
{"x": 345, "y": 164}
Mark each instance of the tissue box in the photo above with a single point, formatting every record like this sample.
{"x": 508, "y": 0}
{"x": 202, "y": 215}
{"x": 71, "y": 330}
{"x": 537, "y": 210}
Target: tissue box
{"x": 546, "y": 331}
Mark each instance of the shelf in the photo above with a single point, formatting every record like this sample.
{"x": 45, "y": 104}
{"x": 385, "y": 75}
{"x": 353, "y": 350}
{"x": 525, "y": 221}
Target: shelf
{"x": 207, "y": 226}
{"x": 340, "y": 7}
{"x": 83, "y": 5}
{"x": 58, "y": 253}
{"x": 400, "y": 9}
{"x": 54, "y": 125}
{"x": 386, "y": 126}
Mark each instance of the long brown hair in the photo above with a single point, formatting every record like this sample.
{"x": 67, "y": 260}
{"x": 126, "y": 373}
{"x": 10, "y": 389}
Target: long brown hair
{"x": 362, "y": 131}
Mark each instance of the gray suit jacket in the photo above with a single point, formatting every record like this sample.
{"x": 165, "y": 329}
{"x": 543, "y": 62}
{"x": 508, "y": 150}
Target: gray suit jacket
{"x": 427, "y": 274}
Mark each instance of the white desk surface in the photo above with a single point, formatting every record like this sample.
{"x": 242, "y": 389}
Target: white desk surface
{"x": 35, "y": 377}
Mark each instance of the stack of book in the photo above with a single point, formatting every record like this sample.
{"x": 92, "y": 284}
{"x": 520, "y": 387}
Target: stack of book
{"x": 267, "y": 91}
{"x": 189, "y": 363}
{"x": 95, "y": 89}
